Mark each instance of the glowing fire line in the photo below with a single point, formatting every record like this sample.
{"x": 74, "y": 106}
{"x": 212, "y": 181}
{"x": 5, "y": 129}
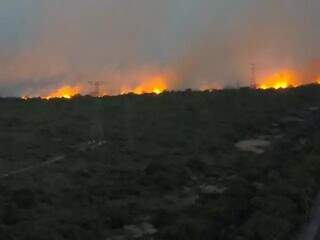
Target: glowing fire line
{"x": 66, "y": 92}
{"x": 156, "y": 85}
{"x": 148, "y": 84}
{"x": 279, "y": 80}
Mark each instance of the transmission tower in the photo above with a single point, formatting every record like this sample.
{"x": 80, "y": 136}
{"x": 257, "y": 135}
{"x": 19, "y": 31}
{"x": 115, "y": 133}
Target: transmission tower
{"x": 253, "y": 80}
{"x": 96, "y": 88}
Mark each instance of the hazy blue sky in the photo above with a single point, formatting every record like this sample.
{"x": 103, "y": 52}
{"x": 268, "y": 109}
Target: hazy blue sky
{"x": 44, "y": 43}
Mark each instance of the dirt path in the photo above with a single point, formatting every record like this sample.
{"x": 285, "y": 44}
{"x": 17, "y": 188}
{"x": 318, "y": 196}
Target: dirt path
{"x": 311, "y": 229}
{"x": 90, "y": 145}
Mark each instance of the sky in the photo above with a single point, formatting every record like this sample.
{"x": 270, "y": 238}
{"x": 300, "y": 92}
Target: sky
{"x": 48, "y": 43}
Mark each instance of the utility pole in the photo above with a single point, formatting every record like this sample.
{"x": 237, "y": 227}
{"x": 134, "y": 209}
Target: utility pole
{"x": 253, "y": 80}
{"x": 96, "y": 88}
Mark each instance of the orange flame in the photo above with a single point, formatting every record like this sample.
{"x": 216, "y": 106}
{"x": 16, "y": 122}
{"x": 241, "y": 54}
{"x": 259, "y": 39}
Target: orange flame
{"x": 155, "y": 84}
{"x": 66, "y": 92}
{"x": 279, "y": 80}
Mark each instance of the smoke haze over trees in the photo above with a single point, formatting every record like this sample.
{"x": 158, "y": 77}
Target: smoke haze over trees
{"x": 45, "y": 44}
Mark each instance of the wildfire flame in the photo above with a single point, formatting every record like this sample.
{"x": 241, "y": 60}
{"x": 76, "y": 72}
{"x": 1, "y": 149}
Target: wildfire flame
{"x": 279, "y": 80}
{"x": 155, "y": 84}
{"x": 158, "y": 83}
{"x": 66, "y": 92}
{"x": 145, "y": 83}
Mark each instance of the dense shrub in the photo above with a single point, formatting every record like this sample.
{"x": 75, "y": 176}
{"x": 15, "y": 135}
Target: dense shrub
{"x": 24, "y": 198}
{"x": 165, "y": 176}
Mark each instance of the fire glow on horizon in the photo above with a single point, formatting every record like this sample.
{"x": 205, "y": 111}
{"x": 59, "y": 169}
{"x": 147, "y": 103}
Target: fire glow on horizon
{"x": 157, "y": 83}
{"x": 147, "y": 84}
{"x": 287, "y": 78}
{"x": 279, "y": 80}
{"x": 66, "y": 92}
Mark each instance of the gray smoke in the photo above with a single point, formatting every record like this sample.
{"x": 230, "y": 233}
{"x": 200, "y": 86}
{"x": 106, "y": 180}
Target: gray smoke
{"x": 204, "y": 43}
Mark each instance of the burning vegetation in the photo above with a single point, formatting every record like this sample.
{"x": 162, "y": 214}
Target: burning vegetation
{"x": 158, "y": 82}
{"x": 288, "y": 78}
{"x": 66, "y": 92}
{"x": 155, "y": 84}
{"x": 144, "y": 83}
{"x": 279, "y": 80}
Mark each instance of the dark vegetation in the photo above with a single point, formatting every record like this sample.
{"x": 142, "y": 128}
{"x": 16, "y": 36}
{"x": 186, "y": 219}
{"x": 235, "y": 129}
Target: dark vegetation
{"x": 160, "y": 151}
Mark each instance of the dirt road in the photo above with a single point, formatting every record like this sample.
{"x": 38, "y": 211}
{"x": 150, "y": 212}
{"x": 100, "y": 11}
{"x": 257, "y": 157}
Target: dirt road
{"x": 90, "y": 145}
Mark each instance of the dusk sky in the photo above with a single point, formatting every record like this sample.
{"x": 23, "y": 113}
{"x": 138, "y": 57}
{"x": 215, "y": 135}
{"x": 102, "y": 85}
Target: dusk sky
{"x": 46, "y": 43}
